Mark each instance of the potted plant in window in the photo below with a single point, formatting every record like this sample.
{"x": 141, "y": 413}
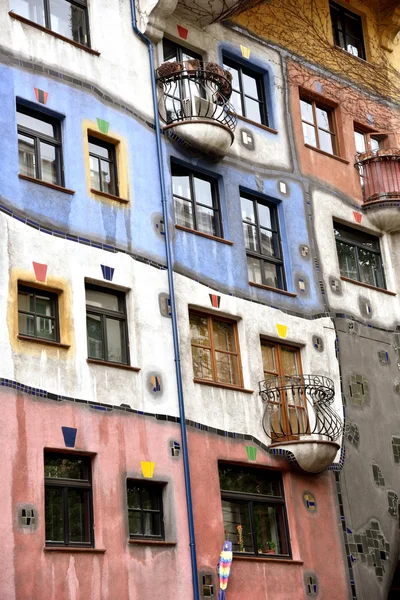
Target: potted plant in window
{"x": 168, "y": 68}
{"x": 270, "y": 547}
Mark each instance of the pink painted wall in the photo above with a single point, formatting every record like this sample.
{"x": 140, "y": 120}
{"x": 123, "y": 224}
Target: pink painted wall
{"x": 315, "y": 537}
{"x": 120, "y": 441}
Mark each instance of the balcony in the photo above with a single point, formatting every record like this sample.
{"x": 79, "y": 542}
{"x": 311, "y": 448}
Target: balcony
{"x": 298, "y": 418}
{"x": 194, "y": 105}
{"x": 379, "y": 168}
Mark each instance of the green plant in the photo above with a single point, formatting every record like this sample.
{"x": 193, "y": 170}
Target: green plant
{"x": 270, "y": 545}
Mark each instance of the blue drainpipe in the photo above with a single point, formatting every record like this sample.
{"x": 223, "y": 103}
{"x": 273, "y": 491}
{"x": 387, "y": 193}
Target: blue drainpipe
{"x": 185, "y": 454}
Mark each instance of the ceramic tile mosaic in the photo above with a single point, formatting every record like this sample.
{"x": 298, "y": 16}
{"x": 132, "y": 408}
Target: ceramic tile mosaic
{"x": 396, "y": 449}
{"x": 393, "y": 504}
{"x": 358, "y": 390}
{"x": 352, "y": 434}
{"x": 378, "y": 475}
{"x": 370, "y": 547}
{"x": 309, "y": 501}
{"x": 311, "y": 585}
{"x": 318, "y": 343}
{"x": 383, "y": 357}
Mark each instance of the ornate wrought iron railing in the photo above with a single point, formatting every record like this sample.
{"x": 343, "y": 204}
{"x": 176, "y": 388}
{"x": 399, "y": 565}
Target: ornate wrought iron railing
{"x": 195, "y": 91}
{"x": 380, "y": 174}
{"x": 298, "y": 407}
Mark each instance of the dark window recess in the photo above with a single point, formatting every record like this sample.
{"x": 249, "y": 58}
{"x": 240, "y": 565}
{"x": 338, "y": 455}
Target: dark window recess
{"x": 347, "y": 30}
{"x": 248, "y": 96}
{"x": 359, "y": 256}
{"x": 103, "y": 166}
{"x": 68, "y": 500}
{"x": 318, "y": 125}
{"x": 39, "y": 146}
{"x": 196, "y": 201}
{"x": 145, "y": 510}
{"x": 38, "y": 313}
{"x": 66, "y": 17}
{"x": 253, "y": 508}
{"x": 107, "y": 334}
{"x": 262, "y": 241}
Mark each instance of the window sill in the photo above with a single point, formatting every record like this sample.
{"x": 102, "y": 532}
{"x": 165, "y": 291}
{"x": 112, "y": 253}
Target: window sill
{"x": 53, "y": 33}
{"x": 270, "y": 558}
{"x": 272, "y": 289}
{"x": 104, "y": 363}
{"x": 73, "y": 549}
{"x": 151, "y": 543}
{"x": 52, "y": 186}
{"x": 224, "y": 386}
{"x": 206, "y": 235}
{"x": 363, "y": 61}
{"x": 334, "y": 156}
{"x": 260, "y": 125}
{"x": 370, "y": 287}
{"x": 28, "y": 338}
{"x": 109, "y": 196}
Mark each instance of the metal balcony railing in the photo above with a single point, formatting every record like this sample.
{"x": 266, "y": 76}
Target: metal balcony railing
{"x": 299, "y": 407}
{"x": 195, "y": 91}
{"x": 380, "y": 174}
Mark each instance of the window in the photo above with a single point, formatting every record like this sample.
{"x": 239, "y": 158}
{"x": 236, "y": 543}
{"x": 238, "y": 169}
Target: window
{"x": 103, "y": 166}
{"x": 288, "y": 416}
{"x": 359, "y": 256}
{"x": 145, "y": 510}
{"x": 347, "y": 30}
{"x": 107, "y": 335}
{"x": 262, "y": 241}
{"x": 196, "y": 201}
{"x": 253, "y": 509}
{"x": 318, "y": 126}
{"x": 365, "y": 142}
{"x": 68, "y": 500}
{"x": 39, "y": 146}
{"x": 248, "y": 96}
{"x": 68, "y": 18}
{"x": 38, "y": 313}
{"x": 215, "y": 349}
{"x": 174, "y": 52}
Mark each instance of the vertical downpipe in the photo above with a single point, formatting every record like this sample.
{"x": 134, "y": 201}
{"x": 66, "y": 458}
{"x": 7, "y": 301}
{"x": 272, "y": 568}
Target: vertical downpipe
{"x": 178, "y": 372}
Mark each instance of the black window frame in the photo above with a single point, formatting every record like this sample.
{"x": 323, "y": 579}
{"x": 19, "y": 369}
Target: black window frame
{"x": 250, "y": 499}
{"x": 112, "y": 161}
{"x": 82, "y": 4}
{"x": 38, "y": 137}
{"x": 276, "y": 231}
{"x": 103, "y": 313}
{"x": 192, "y": 173}
{"x": 348, "y": 240}
{"x": 159, "y": 488}
{"x": 23, "y": 288}
{"x": 180, "y": 51}
{"x": 339, "y": 28}
{"x": 73, "y": 484}
{"x": 228, "y": 63}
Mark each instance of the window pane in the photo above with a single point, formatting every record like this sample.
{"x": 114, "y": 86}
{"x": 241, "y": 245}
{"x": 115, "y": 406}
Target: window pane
{"x": 206, "y": 220}
{"x": 94, "y": 173}
{"x": 102, "y": 300}
{"x": 227, "y": 368}
{"x": 54, "y": 515}
{"x": 135, "y": 522}
{"x": 26, "y": 301}
{"x": 360, "y": 141}
{"x": 152, "y": 524}
{"x": 236, "y": 100}
{"x": 116, "y": 351}
{"x": 203, "y": 191}
{"x": 45, "y": 328}
{"x": 347, "y": 260}
{"x": 97, "y": 149}
{"x": 253, "y": 110}
{"x": 26, "y": 156}
{"x": 26, "y": 324}
{"x": 35, "y": 124}
{"x": 271, "y": 274}
{"x": 199, "y": 330}
{"x": 268, "y": 243}
{"x": 268, "y": 357}
{"x": 375, "y": 144}
{"x": 248, "y": 210}
{"x": 266, "y": 528}
{"x": 237, "y": 527}
{"x": 250, "y": 86}
{"x": 78, "y": 516}
{"x": 107, "y": 183}
{"x": 68, "y": 20}
{"x": 94, "y": 336}
{"x": 249, "y": 481}
{"x": 309, "y": 135}
{"x": 224, "y": 336}
{"x": 369, "y": 268}
{"x": 265, "y": 215}
{"x": 44, "y": 306}
{"x": 325, "y": 141}
{"x": 48, "y": 156}
{"x": 150, "y": 498}
{"x": 30, "y": 9}
{"x": 181, "y": 186}
{"x": 323, "y": 118}
{"x": 254, "y": 269}
{"x": 201, "y": 363}
{"x": 250, "y": 237}
{"x": 235, "y": 76}
{"x": 133, "y": 497}
{"x": 184, "y": 213}
{"x": 289, "y": 362}
{"x": 306, "y": 111}
{"x": 64, "y": 468}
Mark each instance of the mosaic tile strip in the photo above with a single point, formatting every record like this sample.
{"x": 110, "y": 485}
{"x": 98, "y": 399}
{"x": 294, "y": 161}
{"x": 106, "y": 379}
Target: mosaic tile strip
{"x": 396, "y": 449}
{"x": 311, "y": 585}
{"x": 393, "y": 504}
{"x": 27, "y": 516}
{"x": 370, "y": 547}
{"x": 378, "y": 475}
{"x": 352, "y": 434}
{"x": 358, "y": 390}
{"x": 346, "y": 532}
{"x": 383, "y": 357}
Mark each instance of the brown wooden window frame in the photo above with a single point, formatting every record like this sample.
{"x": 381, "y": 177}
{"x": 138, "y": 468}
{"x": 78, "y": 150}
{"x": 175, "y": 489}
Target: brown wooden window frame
{"x": 210, "y": 318}
{"x": 332, "y": 131}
